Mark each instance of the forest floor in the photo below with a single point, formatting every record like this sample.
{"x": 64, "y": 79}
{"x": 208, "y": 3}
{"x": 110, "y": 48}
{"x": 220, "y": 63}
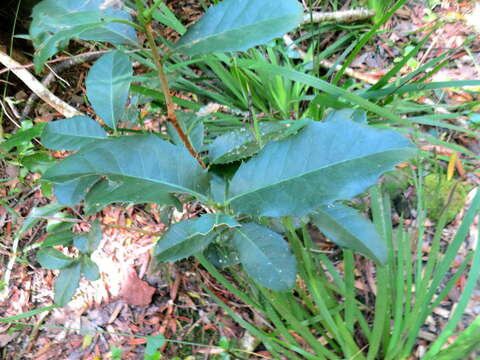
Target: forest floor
{"x": 135, "y": 298}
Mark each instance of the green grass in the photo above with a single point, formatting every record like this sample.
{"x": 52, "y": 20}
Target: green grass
{"x": 326, "y": 302}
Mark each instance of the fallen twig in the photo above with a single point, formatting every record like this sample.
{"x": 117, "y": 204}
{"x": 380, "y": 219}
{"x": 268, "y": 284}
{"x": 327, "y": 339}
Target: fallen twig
{"x": 37, "y": 87}
{"x": 326, "y": 64}
{"x": 67, "y": 63}
{"x": 339, "y": 16}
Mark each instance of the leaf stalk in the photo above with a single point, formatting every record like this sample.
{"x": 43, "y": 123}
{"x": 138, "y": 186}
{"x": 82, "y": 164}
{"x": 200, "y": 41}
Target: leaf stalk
{"x": 172, "y": 117}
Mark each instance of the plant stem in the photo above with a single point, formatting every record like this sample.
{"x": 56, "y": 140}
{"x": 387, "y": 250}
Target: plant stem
{"x": 168, "y": 96}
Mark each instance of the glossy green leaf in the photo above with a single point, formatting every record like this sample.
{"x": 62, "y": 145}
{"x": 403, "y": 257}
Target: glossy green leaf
{"x": 221, "y": 252}
{"x": 53, "y": 259}
{"x": 67, "y": 283}
{"x": 325, "y": 162}
{"x": 55, "y": 22}
{"x": 140, "y": 163}
{"x": 234, "y": 25}
{"x": 90, "y": 269}
{"x": 348, "y": 228}
{"x": 70, "y": 193}
{"x": 191, "y": 236}
{"x": 266, "y": 256}
{"x": 72, "y": 133}
{"x": 108, "y": 83}
{"x": 241, "y": 144}
{"x": 107, "y": 192}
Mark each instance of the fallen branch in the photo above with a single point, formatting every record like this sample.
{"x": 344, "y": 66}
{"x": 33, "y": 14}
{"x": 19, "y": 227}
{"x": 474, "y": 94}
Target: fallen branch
{"x": 37, "y": 87}
{"x": 58, "y": 68}
{"x": 339, "y": 16}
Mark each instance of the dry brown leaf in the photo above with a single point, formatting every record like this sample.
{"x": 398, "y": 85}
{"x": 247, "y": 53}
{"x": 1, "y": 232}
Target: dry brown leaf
{"x": 135, "y": 291}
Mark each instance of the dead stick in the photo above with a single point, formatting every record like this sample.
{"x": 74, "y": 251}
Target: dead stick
{"x": 339, "y": 16}
{"x": 37, "y": 87}
{"x": 370, "y": 79}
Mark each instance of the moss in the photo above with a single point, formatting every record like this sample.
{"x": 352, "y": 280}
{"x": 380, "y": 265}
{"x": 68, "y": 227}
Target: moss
{"x": 436, "y": 192}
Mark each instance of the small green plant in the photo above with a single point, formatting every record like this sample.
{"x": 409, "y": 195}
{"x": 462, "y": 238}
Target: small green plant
{"x": 258, "y": 185}
{"x": 308, "y": 169}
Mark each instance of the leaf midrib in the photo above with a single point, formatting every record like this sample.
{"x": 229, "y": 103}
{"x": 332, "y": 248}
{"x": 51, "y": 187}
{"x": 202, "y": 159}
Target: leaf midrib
{"x": 185, "y": 190}
{"x": 308, "y": 173}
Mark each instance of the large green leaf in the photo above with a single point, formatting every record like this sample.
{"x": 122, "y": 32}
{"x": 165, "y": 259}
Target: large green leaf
{"x": 234, "y": 25}
{"x": 266, "y": 257}
{"x": 72, "y": 133}
{"x": 191, "y": 236}
{"x": 66, "y": 283}
{"x": 55, "y": 22}
{"x": 348, "y": 228}
{"x": 139, "y": 163}
{"x": 325, "y": 162}
{"x": 107, "y": 192}
{"x": 53, "y": 259}
{"x": 108, "y": 84}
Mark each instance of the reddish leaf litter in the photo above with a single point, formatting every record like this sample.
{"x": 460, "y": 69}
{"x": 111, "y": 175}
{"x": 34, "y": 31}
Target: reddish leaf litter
{"x": 133, "y": 298}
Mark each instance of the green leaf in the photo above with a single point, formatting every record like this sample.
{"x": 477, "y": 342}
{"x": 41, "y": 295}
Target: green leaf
{"x": 142, "y": 163}
{"x": 72, "y": 133}
{"x": 90, "y": 269}
{"x": 22, "y": 136}
{"x": 221, "y": 253}
{"x": 325, "y": 162}
{"x": 38, "y": 162}
{"x": 348, "y": 228}
{"x": 108, "y": 83}
{"x": 88, "y": 242}
{"x": 235, "y": 26}
{"x": 64, "y": 237}
{"x": 154, "y": 342}
{"x": 266, "y": 257}
{"x": 52, "y": 259}
{"x": 240, "y": 144}
{"x": 356, "y": 115}
{"x": 67, "y": 283}
{"x": 106, "y": 192}
{"x": 191, "y": 236}
{"x": 36, "y": 215}
{"x": 55, "y": 22}
{"x": 70, "y": 193}
{"x": 54, "y": 43}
